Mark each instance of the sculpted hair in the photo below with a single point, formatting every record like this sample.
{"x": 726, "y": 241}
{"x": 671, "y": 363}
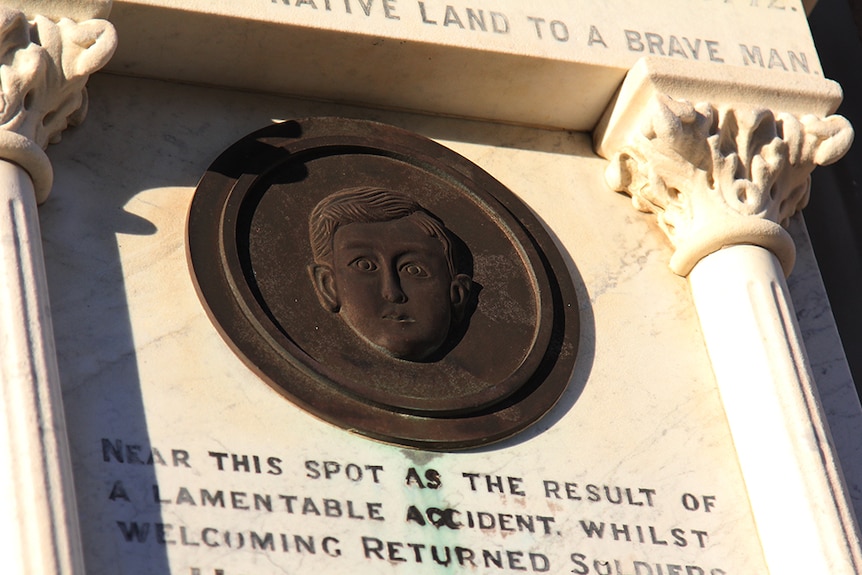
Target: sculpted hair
{"x": 367, "y": 205}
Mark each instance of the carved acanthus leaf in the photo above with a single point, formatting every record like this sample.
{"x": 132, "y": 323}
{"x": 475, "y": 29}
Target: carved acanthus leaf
{"x": 716, "y": 177}
{"x": 44, "y": 66}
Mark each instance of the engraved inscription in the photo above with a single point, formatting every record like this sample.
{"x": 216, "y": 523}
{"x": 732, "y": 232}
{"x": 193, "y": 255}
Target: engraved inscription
{"x": 583, "y": 32}
{"x": 673, "y": 46}
{"x": 329, "y": 513}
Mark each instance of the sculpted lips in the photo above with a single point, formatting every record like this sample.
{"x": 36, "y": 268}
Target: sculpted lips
{"x": 399, "y": 317}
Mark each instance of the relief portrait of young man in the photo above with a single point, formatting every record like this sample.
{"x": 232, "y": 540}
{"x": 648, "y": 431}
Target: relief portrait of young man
{"x": 387, "y": 267}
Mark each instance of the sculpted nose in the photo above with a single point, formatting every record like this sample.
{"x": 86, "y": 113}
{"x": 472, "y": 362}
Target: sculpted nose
{"x": 391, "y": 288}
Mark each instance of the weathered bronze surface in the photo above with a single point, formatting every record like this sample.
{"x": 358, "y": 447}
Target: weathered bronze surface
{"x": 383, "y": 282}
{"x": 390, "y": 270}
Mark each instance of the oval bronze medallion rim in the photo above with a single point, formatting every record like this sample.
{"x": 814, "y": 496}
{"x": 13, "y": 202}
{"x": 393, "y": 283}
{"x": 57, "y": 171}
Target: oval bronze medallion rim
{"x": 254, "y": 190}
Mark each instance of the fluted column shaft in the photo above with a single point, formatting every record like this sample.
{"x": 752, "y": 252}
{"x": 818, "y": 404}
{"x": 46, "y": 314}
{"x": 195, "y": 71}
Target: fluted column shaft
{"x": 37, "y": 512}
{"x": 794, "y": 484}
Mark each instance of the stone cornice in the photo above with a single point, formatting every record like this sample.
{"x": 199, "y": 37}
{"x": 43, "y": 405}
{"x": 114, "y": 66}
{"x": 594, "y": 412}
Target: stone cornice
{"x": 77, "y": 10}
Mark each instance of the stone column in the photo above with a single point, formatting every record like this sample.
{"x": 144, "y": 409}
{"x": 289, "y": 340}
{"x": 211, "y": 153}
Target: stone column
{"x": 45, "y": 61}
{"x": 724, "y": 162}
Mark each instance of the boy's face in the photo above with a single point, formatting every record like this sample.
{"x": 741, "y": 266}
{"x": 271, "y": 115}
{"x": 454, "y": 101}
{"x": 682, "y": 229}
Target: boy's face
{"x": 393, "y": 286}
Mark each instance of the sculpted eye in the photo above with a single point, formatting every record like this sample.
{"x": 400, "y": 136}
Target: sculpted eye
{"x": 413, "y": 270}
{"x": 363, "y": 265}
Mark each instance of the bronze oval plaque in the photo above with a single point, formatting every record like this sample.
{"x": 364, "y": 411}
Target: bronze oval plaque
{"x": 383, "y": 282}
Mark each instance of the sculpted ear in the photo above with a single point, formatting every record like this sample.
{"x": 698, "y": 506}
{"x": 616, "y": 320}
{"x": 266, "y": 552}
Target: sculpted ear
{"x": 459, "y": 292}
{"x": 324, "y": 285}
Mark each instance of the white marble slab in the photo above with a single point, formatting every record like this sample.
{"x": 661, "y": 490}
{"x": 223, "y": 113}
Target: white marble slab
{"x": 554, "y": 63}
{"x": 143, "y": 368}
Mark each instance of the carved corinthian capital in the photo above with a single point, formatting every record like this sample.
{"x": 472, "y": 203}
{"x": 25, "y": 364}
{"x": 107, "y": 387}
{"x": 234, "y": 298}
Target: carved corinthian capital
{"x": 44, "y": 66}
{"x": 721, "y": 176}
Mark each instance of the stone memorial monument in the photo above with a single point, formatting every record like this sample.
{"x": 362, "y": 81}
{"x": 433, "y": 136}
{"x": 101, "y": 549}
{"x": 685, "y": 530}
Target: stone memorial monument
{"x": 357, "y": 286}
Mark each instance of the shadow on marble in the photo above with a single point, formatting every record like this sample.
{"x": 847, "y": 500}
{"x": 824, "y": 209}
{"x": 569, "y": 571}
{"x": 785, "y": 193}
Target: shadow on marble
{"x": 828, "y": 362}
